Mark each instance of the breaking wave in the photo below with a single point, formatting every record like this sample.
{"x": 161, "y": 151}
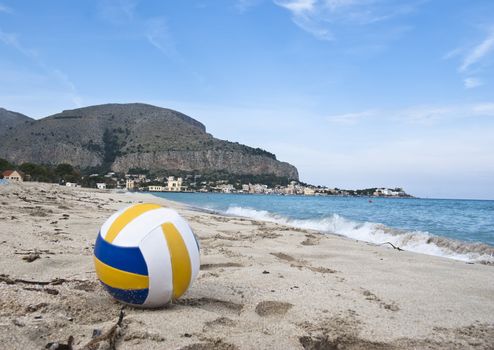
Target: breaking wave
{"x": 413, "y": 241}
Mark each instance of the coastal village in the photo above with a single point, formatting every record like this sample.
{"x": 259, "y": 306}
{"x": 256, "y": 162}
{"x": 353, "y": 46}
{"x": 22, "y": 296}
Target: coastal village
{"x": 195, "y": 183}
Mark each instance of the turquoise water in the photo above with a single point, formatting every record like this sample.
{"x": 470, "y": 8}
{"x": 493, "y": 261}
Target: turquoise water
{"x": 460, "y": 229}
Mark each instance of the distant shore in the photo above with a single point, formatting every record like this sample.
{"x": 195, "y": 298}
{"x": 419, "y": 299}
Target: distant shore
{"x": 262, "y": 285}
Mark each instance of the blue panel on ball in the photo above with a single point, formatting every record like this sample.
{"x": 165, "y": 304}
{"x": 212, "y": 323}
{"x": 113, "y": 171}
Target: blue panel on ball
{"x": 128, "y": 259}
{"x": 129, "y": 296}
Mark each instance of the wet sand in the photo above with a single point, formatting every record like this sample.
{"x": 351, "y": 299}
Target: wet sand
{"x": 261, "y": 285}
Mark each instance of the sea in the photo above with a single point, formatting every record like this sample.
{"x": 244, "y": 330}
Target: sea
{"x": 452, "y": 228}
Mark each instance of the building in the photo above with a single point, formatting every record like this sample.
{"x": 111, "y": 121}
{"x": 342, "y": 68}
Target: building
{"x": 174, "y": 185}
{"x": 309, "y": 191}
{"x": 130, "y": 184}
{"x": 101, "y": 186}
{"x": 226, "y": 188}
{"x": 156, "y": 188}
{"x": 13, "y": 175}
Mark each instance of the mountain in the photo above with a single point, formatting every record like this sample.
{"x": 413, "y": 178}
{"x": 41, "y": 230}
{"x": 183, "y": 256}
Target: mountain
{"x": 9, "y": 119}
{"x": 125, "y": 136}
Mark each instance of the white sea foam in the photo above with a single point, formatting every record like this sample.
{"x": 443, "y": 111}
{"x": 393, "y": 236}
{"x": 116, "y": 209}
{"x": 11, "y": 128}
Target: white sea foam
{"x": 414, "y": 241}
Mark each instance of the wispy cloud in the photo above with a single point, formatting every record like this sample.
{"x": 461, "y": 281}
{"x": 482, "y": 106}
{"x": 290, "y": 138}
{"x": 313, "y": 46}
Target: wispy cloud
{"x": 485, "y": 109}
{"x": 5, "y": 8}
{"x": 158, "y": 35}
{"x": 471, "y": 59}
{"x": 117, "y": 11}
{"x": 244, "y": 5}
{"x": 320, "y": 17}
{"x": 478, "y": 52}
{"x": 12, "y": 40}
{"x": 422, "y": 115}
{"x": 472, "y": 82}
{"x": 351, "y": 118}
{"x": 123, "y": 13}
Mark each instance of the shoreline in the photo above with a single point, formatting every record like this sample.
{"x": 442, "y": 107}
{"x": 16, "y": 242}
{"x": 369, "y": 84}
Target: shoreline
{"x": 261, "y": 285}
{"x": 428, "y": 243}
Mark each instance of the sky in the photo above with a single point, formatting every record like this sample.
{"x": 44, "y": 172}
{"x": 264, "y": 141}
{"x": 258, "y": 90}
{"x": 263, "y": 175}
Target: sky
{"x": 354, "y": 93}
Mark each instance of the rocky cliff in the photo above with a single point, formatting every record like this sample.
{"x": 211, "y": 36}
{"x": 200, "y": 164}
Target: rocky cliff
{"x": 9, "y": 119}
{"x": 125, "y": 136}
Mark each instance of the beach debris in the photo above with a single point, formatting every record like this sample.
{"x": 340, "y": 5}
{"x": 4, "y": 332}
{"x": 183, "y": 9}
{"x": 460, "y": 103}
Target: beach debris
{"x": 265, "y": 272}
{"x": 36, "y": 307}
{"x": 96, "y": 333}
{"x": 54, "y": 282}
{"x": 18, "y": 323}
{"x": 60, "y": 346}
{"x": 46, "y": 290}
{"x": 31, "y": 257}
{"x": 392, "y": 245}
{"x": 111, "y": 336}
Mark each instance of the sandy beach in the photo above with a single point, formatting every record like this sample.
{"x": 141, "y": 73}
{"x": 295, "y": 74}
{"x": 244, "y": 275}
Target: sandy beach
{"x": 261, "y": 285}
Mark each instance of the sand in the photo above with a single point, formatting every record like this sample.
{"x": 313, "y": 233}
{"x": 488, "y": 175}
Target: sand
{"x": 261, "y": 285}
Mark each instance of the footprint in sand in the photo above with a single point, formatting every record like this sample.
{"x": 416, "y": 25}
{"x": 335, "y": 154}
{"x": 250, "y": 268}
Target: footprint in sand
{"x": 310, "y": 240}
{"x": 220, "y": 322}
{"x": 272, "y": 308}
{"x": 374, "y": 298}
{"x": 220, "y": 265}
{"x": 301, "y": 264}
{"x": 213, "y": 344}
{"x": 211, "y": 304}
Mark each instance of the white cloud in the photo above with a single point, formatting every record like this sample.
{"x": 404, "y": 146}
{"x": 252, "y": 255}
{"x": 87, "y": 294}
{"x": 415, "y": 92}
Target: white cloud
{"x": 117, "y": 11}
{"x": 298, "y": 7}
{"x": 472, "y": 82}
{"x": 484, "y": 109}
{"x": 351, "y": 118}
{"x": 12, "y": 40}
{"x": 158, "y": 35}
{"x": 422, "y": 115}
{"x": 471, "y": 59}
{"x": 244, "y": 5}
{"x": 425, "y": 115}
{"x": 319, "y": 17}
{"x": 478, "y": 52}
{"x": 123, "y": 14}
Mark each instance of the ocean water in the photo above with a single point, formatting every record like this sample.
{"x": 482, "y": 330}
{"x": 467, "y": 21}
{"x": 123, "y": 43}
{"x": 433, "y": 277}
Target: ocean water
{"x": 457, "y": 229}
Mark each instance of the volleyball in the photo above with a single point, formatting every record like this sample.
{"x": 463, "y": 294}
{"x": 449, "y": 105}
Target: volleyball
{"x": 146, "y": 255}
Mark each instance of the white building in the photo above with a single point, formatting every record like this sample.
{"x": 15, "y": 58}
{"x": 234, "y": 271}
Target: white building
{"x": 226, "y": 188}
{"x": 309, "y": 191}
{"x": 130, "y": 184}
{"x": 12, "y": 175}
{"x": 156, "y": 188}
{"x": 174, "y": 185}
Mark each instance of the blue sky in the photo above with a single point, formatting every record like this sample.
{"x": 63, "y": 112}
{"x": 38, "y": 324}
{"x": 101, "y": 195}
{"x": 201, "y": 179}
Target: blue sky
{"x": 355, "y": 93}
